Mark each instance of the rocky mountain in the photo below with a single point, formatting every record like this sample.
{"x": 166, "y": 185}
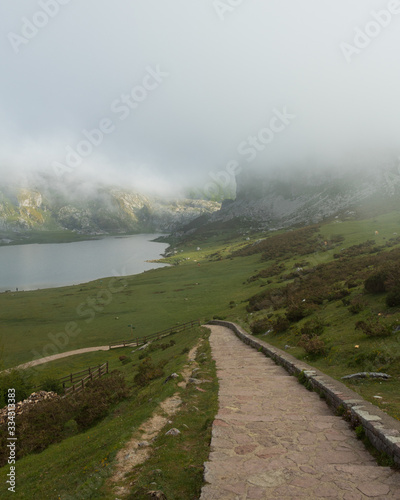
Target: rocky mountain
{"x": 92, "y": 209}
{"x": 278, "y": 199}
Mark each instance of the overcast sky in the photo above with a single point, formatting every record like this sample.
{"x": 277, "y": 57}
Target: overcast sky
{"x": 181, "y": 88}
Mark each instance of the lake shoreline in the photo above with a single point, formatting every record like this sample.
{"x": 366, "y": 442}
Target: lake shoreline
{"x": 49, "y": 237}
{"x": 33, "y": 267}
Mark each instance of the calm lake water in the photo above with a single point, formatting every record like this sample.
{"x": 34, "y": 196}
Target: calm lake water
{"x": 29, "y": 267}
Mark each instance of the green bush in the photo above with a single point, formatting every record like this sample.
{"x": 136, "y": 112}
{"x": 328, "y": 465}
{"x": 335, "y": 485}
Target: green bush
{"x": 280, "y": 324}
{"x": 393, "y": 297}
{"x": 148, "y": 371}
{"x": 297, "y": 312}
{"x": 374, "y": 327}
{"x": 312, "y": 327}
{"x": 92, "y": 404}
{"x": 260, "y": 326}
{"x": 312, "y": 345}
{"x": 17, "y": 380}
{"x": 49, "y": 421}
{"x": 356, "y": 306}
{"x": 50, "y": 384}
{"x": 376, "y": 283}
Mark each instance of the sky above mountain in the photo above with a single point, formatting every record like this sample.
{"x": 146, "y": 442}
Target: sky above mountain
{"x": 168, "y": 94}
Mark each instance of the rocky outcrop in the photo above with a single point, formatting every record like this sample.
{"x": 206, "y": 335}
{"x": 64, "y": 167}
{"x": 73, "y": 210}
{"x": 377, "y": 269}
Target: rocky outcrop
{"x": 23, "y": 406}
{"x": 94, "y": 209}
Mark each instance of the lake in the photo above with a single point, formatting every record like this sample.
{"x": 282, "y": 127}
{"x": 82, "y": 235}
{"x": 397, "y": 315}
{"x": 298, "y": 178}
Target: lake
{"x": 29, "y": 267}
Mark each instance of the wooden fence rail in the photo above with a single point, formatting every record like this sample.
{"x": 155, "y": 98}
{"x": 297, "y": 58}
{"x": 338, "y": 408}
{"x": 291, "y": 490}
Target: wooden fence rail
{"x": 154, "y": 336}
{"x": 79, "y": 385}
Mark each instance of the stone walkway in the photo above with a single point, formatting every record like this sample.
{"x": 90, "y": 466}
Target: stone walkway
{"x": 273, "y": 439}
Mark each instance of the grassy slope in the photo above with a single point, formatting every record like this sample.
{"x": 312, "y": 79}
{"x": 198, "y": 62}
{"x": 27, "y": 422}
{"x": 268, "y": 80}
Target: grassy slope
{"x": 160, "y": 298}
{"x": 79, "y": 466}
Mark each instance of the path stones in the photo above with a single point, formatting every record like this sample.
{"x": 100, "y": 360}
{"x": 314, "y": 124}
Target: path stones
{"x": 173, "y": 432}
{"x": 273, "y": 439}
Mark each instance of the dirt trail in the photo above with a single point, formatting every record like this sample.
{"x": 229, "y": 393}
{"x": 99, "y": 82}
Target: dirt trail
{"x": 138, "y": 449}
{"x": 273, "y": 439}
{"x": 41, "y": 361}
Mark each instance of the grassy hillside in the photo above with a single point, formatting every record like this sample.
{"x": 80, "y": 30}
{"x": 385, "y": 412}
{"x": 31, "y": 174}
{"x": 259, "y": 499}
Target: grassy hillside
{"x": 328, "y": 294}
{"x": 80, "y": 464}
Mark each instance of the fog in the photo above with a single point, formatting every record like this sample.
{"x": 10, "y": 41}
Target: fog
{"x": 167, "y": 95}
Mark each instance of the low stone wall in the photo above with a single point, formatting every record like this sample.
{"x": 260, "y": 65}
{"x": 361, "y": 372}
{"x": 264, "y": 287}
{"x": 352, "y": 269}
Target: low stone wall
{"x": 382, "y": 430}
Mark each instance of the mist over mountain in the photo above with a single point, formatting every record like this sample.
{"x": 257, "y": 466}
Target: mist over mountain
{"x": 275, "y": 199}
{"x": 49, "y": 203}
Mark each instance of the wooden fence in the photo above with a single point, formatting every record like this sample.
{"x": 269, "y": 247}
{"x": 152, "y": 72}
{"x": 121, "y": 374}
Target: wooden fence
{"x": 80, "y": 379}
{"x": 154, "y": 336}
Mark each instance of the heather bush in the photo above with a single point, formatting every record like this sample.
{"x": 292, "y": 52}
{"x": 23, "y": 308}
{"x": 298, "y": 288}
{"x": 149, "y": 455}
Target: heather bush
{"x": 393, "y": 297}
{"x": 148, "y": 371}
{"x": 280, "y": 324}
{"x": 46, "y": 422}
{"x": 375, "y": 283}
{"x": 312, "y": 345}
{"x": 374, "y": 327}
{"x": 356, "y": 306}
{"x": 260, "y": 326}
{"x": 312, "y": 327}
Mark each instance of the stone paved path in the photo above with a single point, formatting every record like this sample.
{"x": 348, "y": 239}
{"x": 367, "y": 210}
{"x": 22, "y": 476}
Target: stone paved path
{"x": 273, "y": 439}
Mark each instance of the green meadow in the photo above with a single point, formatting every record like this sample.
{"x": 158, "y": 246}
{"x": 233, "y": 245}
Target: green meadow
{"x": 303, "y": 290}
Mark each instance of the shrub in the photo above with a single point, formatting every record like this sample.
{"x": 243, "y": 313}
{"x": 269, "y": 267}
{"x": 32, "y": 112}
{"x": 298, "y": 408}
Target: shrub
{"x": 280, "y": 324}
{"x": 393, "y": 297}
{"x": 16, "y": 380}
{"x": 297, "y": 312}
{"x": 125, "y": 359}
{"x": 376, "y": 282}
{"x": 92, "y": 404}
{"x": 148, "y": 371}
{"x": 49, "y": 421}
{"x": 312, "y": 345}
{"x": 356, "y": 306}
{"x": 374, "y": 327}
{"x": 50, "y": 384}
{"x": 260, "y": 326}
{"x": 338, "y": 294}
{"x": 312, "y": 327}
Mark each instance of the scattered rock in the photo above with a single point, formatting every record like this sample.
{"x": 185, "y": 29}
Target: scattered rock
{"x": 360, "y": 375}
{"x": 172, "y": 376}
{"x": 173, "y": 432}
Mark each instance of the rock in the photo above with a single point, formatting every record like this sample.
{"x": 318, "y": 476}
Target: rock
{"x": 194, "y": 381}
{"x": 172, "y": 376}
{"x": 143, "y": 444}
{"x": 173, "y": 432}
{"x": 22, "y": 406}
{"x": 360, "y": 375}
